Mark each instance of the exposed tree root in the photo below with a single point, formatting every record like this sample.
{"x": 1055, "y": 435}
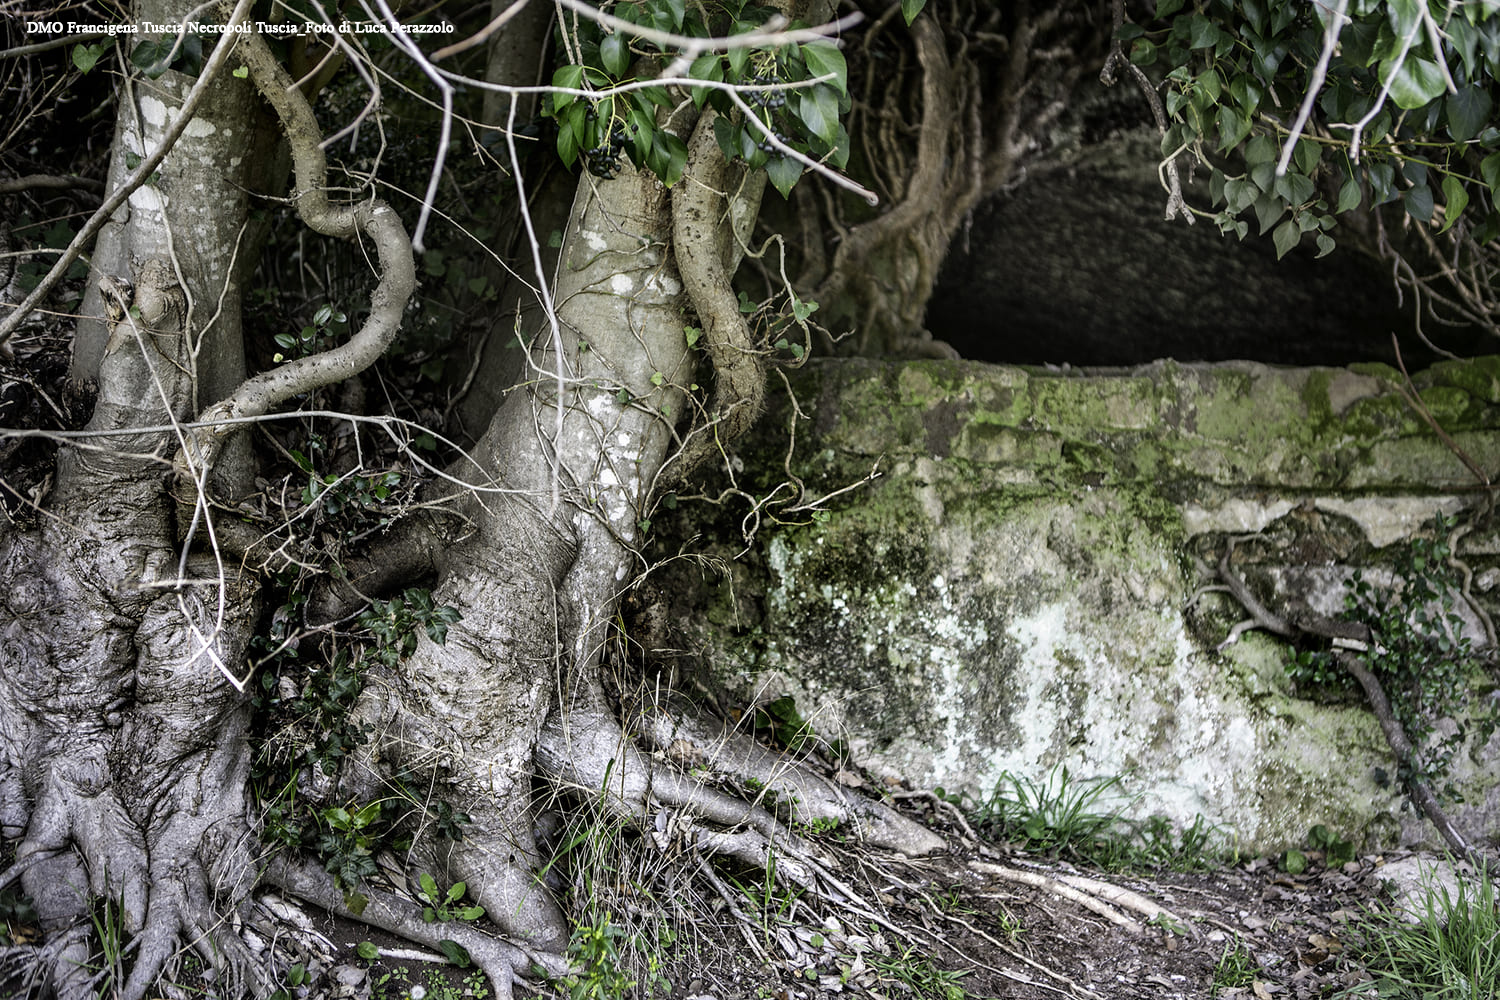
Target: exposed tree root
{"x": 1094, "y": 896}
{"x": 500, "y": 960}
{"x": 693, "y": 740}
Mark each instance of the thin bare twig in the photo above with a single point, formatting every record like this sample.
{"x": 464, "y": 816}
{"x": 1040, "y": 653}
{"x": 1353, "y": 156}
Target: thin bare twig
{"x": 1409, "y": 393}
{"x": 1176, "y": 204}
{"x": 1314, "y": 84}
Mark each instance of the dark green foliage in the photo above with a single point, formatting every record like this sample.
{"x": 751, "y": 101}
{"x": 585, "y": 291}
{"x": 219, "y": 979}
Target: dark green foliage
{"x": 1385, "y": 126}
{"x": 1336, "y": 850}
{"x": 347, "y": 842}
{"x": 393, "y": 624}
{"x": 778, "y": 106}
{"x": 439, "y": 906}
{"x": 307, "y": 705}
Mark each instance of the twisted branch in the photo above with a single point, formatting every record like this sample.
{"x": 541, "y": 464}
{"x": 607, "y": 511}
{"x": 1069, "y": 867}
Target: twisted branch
{"x": 374, "y": 219}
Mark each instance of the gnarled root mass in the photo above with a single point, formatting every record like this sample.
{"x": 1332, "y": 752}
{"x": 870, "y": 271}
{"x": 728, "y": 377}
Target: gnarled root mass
{"x": 144, "y": 804}
{"x": 123, "y": 758}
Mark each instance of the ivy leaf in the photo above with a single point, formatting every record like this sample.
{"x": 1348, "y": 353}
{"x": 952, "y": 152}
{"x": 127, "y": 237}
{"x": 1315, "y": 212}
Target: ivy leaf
{"x": 1349, "y": 196}
{"x": 1239, "y": 194}
{"x": 1382, "y": 182}
{"x": 1419, "y": 203}
{"x": 1142, "y": 52}
{"x": 614, "y": 53}
{"x": 739, "y": 60}
{"x": 1287, "y": 236}
{"x": 569, "y": 78}
{"x": 85, "y": 57}
{"x": 1455, "y": 200}
{"x": 1468, "y": 112}
{"x": 150, "y": 57}
{"x": 1262, "y": 149}
{"x": 1416, "y": 82}
{"x": 1296, "y": 188}
{"x": 1204, "y": 34}
{"x": 911, "y": 8}
{"x": 1489, "y": 169}
{"x": 568, "y": 143}
{"x": 1233, "y": 127}
{"x": 728, "y": 137}
{"x": 823, "y": 58}
{"x": 1306, "y": 154}
{"x": 1264, "y": 175}
{"x": 1325, "y": 245}
{"x": 1268, "y": 208}
{"x": 668, "y": 158}
{"x": 1403, "y": 15}
{"x": 783, "y": 172}
{"x": 657, "y": 95}
{"x": 819, "y": 111}
{"x": 706, "y": 67}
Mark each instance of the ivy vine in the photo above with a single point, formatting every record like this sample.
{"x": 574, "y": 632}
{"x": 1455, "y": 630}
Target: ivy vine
{"x": 771, "y": 101}
{"x": 1401, "y": 109}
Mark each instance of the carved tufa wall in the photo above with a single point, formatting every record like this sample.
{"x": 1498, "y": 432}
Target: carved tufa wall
{"x": 1020, "y": 588}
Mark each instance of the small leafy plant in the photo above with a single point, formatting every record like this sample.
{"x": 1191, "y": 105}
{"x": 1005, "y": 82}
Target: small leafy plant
{"x": 347, "y": 846}
{"x": 441, "y": 907}
{"x": 594, "y": 951}
{"x": 327, "y": 326}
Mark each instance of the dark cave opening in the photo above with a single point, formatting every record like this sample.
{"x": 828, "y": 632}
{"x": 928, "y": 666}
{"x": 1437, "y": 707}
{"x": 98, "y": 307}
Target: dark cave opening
{"x": 1078, "y": 267}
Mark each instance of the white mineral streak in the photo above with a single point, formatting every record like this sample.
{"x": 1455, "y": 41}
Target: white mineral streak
{"x": 663, "y": 283}
{"x": 153, "y": 111}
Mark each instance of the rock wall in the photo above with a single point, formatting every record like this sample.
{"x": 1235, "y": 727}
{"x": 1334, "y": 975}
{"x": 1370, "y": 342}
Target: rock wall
{"x": 1020, "y": 588}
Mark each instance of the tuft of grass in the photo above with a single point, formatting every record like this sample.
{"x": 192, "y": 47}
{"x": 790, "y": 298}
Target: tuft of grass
{"x": 1236, "y": 967}
{"x": 1081, "y": 819}
{"x": 1060, "y": 814}
{"x": 1452, "y": 952}
{"x": 918, "y": 976}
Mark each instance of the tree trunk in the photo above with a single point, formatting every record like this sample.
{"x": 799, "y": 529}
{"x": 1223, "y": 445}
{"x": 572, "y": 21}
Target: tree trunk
{"x": 123, "y": 751}
{"x": 132, "y": 597}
